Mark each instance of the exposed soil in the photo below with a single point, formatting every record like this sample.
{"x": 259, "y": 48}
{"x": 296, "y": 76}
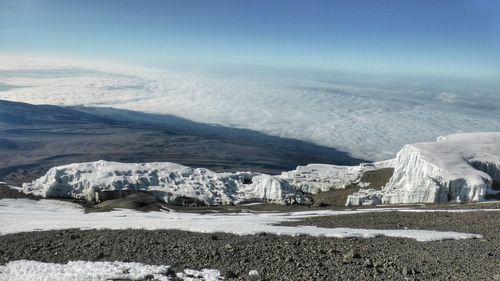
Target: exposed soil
{"x": 333, "y": 198}
{"x": 376, "y": 179}
{"x": 139, "y": 201}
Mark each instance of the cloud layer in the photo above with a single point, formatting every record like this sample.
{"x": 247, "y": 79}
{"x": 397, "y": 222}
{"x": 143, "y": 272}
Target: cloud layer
{"x": 369, "y": 120}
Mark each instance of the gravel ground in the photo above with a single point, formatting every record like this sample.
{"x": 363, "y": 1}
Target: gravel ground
{"x": 284, "y": 257}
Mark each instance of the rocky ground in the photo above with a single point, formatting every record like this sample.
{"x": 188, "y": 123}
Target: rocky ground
{"x": 284, "y": 257}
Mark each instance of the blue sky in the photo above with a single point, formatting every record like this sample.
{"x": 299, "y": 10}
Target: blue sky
{"x": 437, "y": 38}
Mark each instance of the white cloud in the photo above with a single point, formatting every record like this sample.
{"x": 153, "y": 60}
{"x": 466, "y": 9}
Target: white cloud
{"x": 447, "y": 97}
{"x": 372, "y": 123}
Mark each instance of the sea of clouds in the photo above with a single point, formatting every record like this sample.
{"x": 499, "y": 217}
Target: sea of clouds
{"x": 369, "y": 117}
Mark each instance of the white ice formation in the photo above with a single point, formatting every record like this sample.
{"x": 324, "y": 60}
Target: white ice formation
{"x": 320, "y": 177}
{"x": 459, "y": 167}
{"x": 168, "y": 182}
{"x": 314, "y": 178}
{"x": 174, "y": 183}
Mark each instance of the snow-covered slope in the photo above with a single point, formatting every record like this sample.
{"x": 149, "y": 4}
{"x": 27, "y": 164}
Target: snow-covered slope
{"x": 459, "y": 167}
{"x": 95, "y": 181}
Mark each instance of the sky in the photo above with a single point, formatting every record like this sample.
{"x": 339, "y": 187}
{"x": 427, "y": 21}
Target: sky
{"x": 452, "y": 38}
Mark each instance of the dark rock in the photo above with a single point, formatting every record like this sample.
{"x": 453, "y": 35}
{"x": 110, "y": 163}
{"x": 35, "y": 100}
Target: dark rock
{"x": 228, "y": 273}
{"x": 408, "y": 271}
{"x": 170, "y": 272}
{"x": 322, "y": 205}
{"x": 367, "y": 263}
{"x": 352, "y": 254}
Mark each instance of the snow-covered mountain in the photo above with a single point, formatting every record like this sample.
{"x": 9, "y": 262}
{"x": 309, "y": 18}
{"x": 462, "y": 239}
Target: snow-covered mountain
{"x": 459, "y": 167}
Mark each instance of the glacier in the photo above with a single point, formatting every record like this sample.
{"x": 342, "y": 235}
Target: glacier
{"x": 168, "y": 182}
{"x": 174, "y": 183}
{"x": 456, "y": 168}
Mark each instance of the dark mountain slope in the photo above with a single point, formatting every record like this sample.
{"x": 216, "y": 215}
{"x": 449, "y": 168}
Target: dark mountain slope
{"x": 34, "y": 138}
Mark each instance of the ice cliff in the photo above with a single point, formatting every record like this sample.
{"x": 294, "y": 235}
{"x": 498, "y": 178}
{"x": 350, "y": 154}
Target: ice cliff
{"x": 95, "y": 181}
{"x": 174, "y": 183}
{"x": 459, "y": 167}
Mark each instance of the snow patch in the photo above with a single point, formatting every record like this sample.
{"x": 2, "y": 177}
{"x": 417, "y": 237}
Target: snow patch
{"x": 24, "y": 270}
{"x": 202, "y": 275}
{"x": 253, "y": 273}
{"x": 23, "y": 215}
